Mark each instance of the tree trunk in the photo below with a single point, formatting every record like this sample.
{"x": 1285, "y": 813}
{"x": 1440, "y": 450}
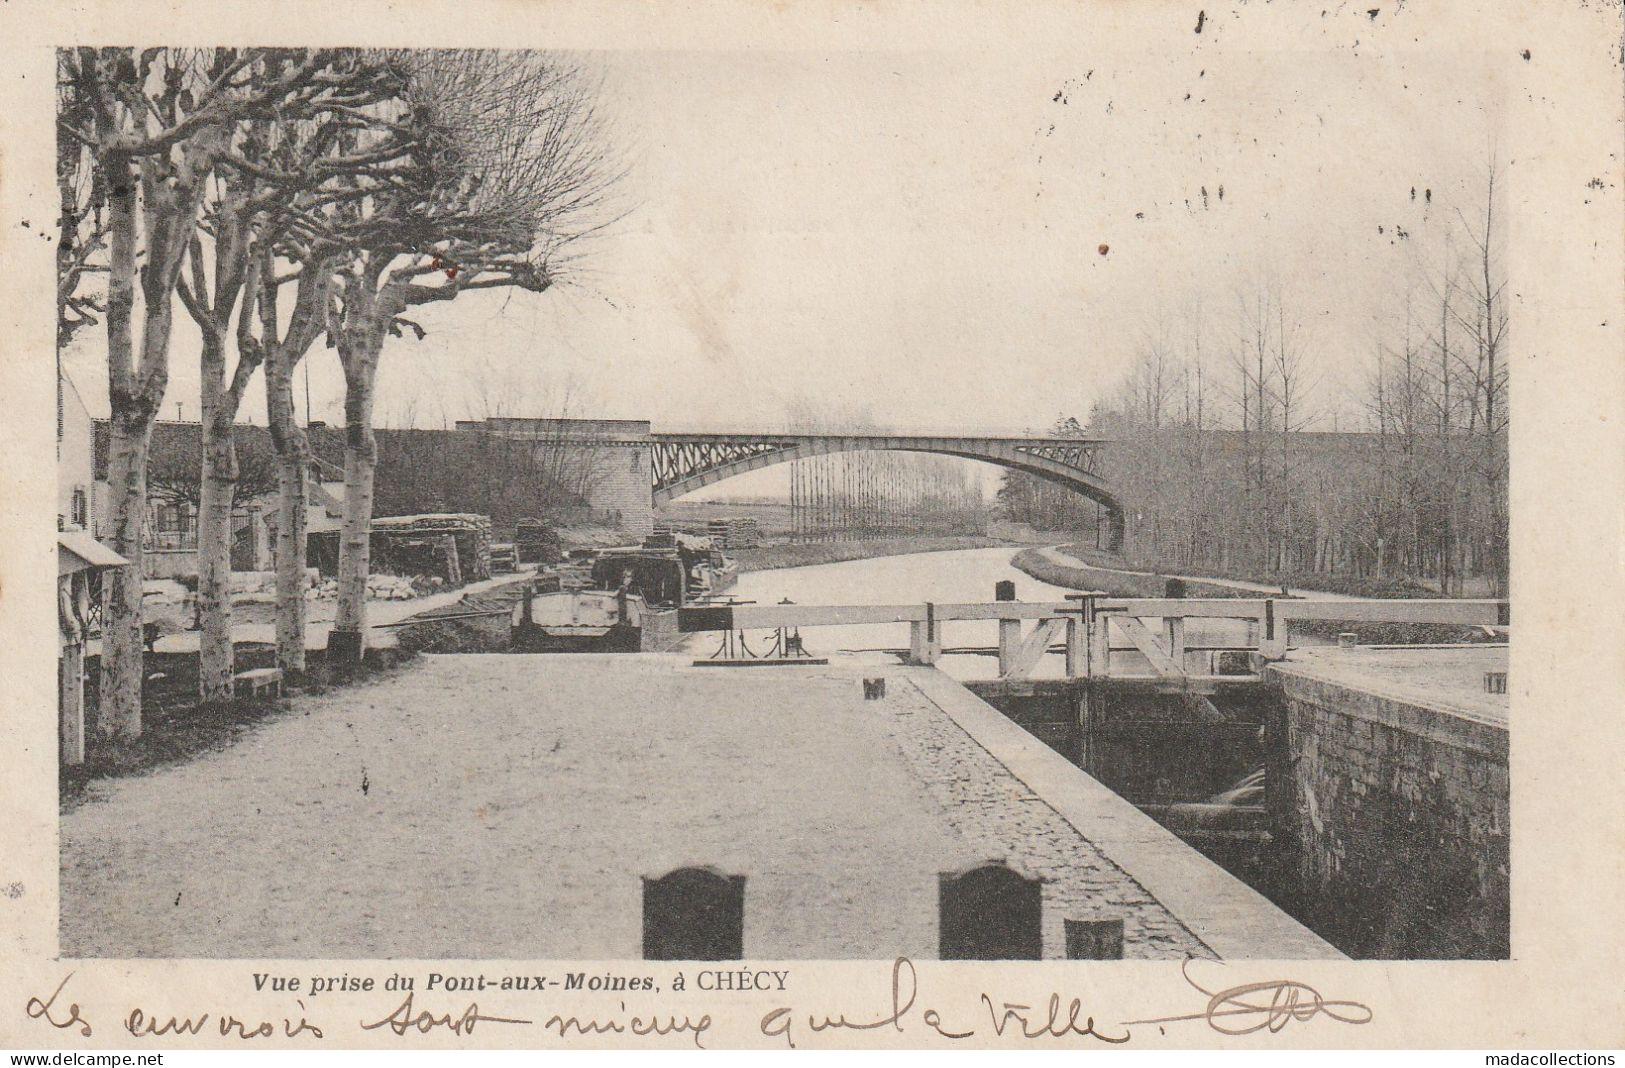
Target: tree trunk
{"x": 169, "y": 200}
{"x": 292, "y": 493}
{"x": 118, "y": 718}
{"x": 218, "y": 492}
{"x": 293, "y": 451}
{"x": 347, "y": 641}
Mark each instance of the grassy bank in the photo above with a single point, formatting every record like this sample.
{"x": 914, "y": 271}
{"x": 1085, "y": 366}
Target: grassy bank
{"x": 833, "y": 552}
{"x": 1349, "y": 585}
{"x": 1118, "y": 584}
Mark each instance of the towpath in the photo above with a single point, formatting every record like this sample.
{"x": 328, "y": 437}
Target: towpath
{"x": 1054, "y": 554}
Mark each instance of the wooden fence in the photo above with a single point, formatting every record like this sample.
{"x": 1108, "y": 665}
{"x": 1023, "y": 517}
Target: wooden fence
{"x": 1089, "y": 630}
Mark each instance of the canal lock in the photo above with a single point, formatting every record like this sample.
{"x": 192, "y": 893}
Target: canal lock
{"x": 1209, "y": 768}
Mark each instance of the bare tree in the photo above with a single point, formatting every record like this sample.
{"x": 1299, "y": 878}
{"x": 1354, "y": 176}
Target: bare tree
{"x": 512, "y": 171}
{"x": 1488, "y": 323}
{"x": 1253, "y": 397}
{"x": 150, "y": 127}
{"x": 82, "y": 220}
{"x": 1198, "y": 490}
{"x": 273, "y": 171}
{"x": 281, "y": 348}
{"x": 174, "y": 473}
{"x": 1293, "y": 390}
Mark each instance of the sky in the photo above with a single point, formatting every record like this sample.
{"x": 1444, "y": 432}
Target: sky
{"x": 971, "y": 240}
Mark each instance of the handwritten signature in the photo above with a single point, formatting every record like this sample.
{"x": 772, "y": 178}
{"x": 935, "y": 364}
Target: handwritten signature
{"x": 1253, "y": 1007}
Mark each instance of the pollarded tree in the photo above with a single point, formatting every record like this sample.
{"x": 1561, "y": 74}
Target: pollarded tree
{"x": 510, "y": 170}
{"x": 150, "y": 127}
{"x": 147, "y": 144}
{"x": 281, "y": 347}
{"x": 273, "y": 179}
{"x": 81, "y": 220}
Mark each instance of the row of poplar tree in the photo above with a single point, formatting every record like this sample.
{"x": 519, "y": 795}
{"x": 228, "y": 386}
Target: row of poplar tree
{"x": 868, "y": 496}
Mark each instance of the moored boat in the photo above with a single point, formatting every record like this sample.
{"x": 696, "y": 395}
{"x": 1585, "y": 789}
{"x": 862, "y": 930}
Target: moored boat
{"x": 578, "y": 621}
{"x": 624, "y": 587}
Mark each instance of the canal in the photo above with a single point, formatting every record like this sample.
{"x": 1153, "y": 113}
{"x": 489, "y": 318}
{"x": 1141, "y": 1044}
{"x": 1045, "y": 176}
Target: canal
{"x": 1194, "y": 763}
{"x": 955, "y": 576}
{"x": 1215, "y": 768}
{"x": 916, "y": 578}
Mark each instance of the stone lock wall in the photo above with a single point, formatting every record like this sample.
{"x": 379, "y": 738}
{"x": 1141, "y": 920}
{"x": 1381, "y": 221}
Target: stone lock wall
{"x": 1399, "y": 814}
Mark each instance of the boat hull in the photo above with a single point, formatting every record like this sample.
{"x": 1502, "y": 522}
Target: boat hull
{"x": 577, "y": 621}
{"x": 530, "y": 638}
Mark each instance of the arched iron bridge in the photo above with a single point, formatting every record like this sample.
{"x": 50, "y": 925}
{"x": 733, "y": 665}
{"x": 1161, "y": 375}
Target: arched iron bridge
{"x": 683, "y": 463}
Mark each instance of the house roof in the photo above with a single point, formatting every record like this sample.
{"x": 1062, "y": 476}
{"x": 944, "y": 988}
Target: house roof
{"x": 181, "y": 442}
{"x": 78, "y": 551}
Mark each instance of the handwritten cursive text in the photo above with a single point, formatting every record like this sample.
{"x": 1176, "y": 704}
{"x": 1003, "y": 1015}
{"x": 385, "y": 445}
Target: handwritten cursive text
{"x": 1270, "y": 1005}
{"x": 403, "y": 1019}
{"x": 41, "y": 1010}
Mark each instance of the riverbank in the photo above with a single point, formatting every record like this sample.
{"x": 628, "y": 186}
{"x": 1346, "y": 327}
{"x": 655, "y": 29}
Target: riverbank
{"x": 806, "y": 554}
{"x": 1308, "y": 584}
{"x": 1058, "y": 566}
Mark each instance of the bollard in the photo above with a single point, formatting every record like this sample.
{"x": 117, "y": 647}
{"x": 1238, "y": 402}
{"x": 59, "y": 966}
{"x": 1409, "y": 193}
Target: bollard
{"x": 1009, "y": 629}
{"x": 925, "y": 638}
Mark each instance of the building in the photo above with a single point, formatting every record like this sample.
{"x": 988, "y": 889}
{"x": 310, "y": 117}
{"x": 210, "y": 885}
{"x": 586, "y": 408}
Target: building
{"x": 81, "y": 561}
{"x": 75, "y": 468}
{"x": 568, "y": 472}
{"x": 174, "y": 475}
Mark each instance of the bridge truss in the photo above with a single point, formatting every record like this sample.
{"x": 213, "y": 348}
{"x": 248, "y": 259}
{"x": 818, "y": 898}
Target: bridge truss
{"x": 683, "y": 463}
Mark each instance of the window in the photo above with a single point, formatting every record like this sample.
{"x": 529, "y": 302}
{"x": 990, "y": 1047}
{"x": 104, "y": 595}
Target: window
{"x": 174, "y": 526}
{"x": 80, "y": 510}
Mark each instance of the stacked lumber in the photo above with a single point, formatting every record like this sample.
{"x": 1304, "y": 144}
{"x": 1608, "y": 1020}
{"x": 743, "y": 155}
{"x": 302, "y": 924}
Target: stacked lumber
{"x": 740, "y": 532}
{"x": 469, "y": 534}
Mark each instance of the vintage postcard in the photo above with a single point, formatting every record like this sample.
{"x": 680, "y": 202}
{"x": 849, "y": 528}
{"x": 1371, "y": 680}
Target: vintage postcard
{"x": 833, "y": 525}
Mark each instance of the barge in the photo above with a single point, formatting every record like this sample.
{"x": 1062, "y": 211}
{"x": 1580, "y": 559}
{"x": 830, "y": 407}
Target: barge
{"x": 621, "y": 596}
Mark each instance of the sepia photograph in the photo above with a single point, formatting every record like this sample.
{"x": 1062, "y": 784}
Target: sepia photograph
{"x": 687, "y": 511}
{"x": 403, "y": 524}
